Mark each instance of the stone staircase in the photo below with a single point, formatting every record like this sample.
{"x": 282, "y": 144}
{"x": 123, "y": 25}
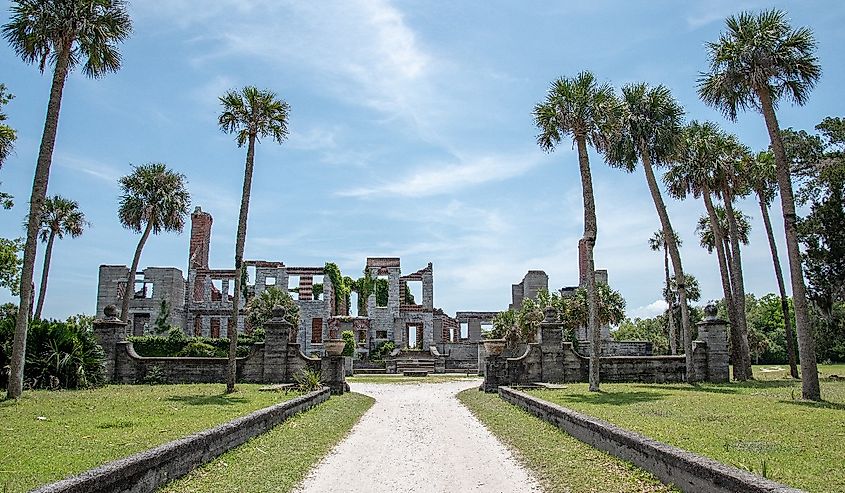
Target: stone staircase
{"x": 416, "y": 362}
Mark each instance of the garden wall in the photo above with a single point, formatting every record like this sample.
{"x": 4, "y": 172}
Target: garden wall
{"x": 689, "y": 472}
{"x": 149, "y": 470}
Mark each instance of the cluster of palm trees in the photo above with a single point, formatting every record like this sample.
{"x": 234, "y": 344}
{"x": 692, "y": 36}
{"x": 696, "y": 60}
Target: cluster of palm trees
{"x": 66, "y": 34}
{"x": 759, "y": 60}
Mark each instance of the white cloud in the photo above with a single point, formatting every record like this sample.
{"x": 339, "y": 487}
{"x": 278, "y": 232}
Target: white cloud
{"x": 91, "y": 167}
{"x": 653, "y": 309}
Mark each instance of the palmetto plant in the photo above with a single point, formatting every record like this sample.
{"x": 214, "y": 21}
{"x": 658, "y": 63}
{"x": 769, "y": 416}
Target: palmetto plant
{"x": 60, "y": 217}
{"x": 250, "y": 114}
{"x": 589, "y": 112}
{"x": 759, "y": 60}
{"x": 650, "y": 134}
{"x": 153, "y": 199}
{"x": 64, "y": 34}
{"x": 705, "y": 231}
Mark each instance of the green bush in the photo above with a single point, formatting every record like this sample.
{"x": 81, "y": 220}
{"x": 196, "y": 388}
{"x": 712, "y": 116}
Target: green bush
{"x": 308, "y": 380}
{"x": 198, "y": 349}
{"x": 349, "y": 347}
{"x": 176, "y": 342}
{"x": 382, "y": 349}
{"x": 154, "y": 376}
{"x": 58, "y": 354}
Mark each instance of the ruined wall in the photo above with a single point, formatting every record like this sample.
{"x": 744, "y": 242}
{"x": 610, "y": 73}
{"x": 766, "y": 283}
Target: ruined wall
{"x": 617, "y": 348}
{"x": 531, "y": 284}
{"x": 153, "y": 285}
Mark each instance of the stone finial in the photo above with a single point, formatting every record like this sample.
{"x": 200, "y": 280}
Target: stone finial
{"x": 710, "y": 311}
{"x": 110, "y": 312}
{"x": 278, "y": 311}
{"x": 551, "y": 314}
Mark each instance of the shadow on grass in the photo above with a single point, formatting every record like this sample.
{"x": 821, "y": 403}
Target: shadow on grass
{"x": 690, "y": 388}
{"x": 609, "y": 398}
{"x": 817, "y": 405}
{"x": 207, "y": 400}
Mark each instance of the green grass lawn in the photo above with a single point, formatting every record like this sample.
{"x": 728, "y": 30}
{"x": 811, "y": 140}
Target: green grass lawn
{"x": 47, "y": 436}
{"x": 560, "y": 462}
{"x": 399, "y": 378}
{"x": 760, "y": 425}
{"x": 278, "y": 460}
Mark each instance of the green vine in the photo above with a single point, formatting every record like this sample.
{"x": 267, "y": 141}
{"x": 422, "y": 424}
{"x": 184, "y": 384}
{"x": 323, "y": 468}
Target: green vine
{"x": 342, "y": 289}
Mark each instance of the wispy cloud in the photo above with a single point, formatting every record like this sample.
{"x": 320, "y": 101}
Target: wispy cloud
{"x": 441, "y": 178}
{"x": 90, "y": 167}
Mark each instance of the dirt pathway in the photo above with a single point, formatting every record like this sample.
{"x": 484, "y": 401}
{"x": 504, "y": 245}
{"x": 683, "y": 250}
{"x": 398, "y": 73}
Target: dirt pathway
{"x": 419, "y": 438}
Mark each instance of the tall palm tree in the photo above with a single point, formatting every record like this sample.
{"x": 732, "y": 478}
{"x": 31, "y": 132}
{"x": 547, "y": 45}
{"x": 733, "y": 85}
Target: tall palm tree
{"x": 650, "y": 134}
{"x": 657, "y": 243}
{"x": 590, "y": 113}
{"x": 758, "y": 61}
{"x": 696, "y": 171}
{"x": 60, "y": 217}
{"x": 153, "y": 199}
{"x": 63, "y": 33}
{"x": 761, "y": 174}
{"x": 250, "y": 114}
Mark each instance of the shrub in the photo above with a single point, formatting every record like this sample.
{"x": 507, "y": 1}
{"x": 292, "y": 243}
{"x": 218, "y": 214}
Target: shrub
{"x": 176, "y": 342}
{"x": 382, "y": 349}
{"x": 58, "y": 354}
{"x": 155, "y": 376}
{"x": 308, "y": 380}
{"x": 349, "y": 347}
{"x": 198, "y": 349}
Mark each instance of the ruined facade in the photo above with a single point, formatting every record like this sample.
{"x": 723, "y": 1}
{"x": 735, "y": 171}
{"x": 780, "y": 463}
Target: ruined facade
{"x": 201, "y": 303}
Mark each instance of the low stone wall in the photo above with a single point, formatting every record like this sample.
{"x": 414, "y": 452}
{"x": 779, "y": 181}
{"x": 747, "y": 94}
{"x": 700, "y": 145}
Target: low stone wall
{"x": 149, "y": 470}
{"x": 618, "y": 348}
{"x": 460, "y": 355}
{"x": 689, "y": 472}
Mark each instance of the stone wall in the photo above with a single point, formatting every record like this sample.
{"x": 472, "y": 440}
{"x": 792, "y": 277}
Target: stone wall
{"x": 151, "y": 469}
{"x": 617, "y": 348}
{"x": 460, "y": 355}
{"x": 687, "y": 471}
{"x": 153, "y": 285}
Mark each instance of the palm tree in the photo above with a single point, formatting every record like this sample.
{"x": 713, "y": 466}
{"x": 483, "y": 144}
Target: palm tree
{"x": 705, "y": 231}
{"x": 761, "y": 174}
{"x": 697, "y": 168}
{"x": 590, "y": 113}
{"x": 153, "y": 199}
{"x": 650, "y": 134}
{"x": 64, "y": 33}
{"x": 250, "y": 114}
{"x": 759, "y": 60}
{"x": 656, "y": 243}
{"x": 60, "y": 217}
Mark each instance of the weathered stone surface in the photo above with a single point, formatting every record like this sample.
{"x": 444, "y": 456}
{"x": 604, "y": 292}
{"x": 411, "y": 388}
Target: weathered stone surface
{"x": 689, "y": 472}
{"x": 149, "y": 470}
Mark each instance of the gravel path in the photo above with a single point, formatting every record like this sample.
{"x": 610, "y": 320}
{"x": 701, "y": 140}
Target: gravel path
{"x": 418, "y": 437}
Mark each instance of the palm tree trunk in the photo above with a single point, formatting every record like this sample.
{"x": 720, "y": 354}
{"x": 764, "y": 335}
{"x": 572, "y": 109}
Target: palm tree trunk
{"x": 670, "y": 298}
{"x": 36, "y": 203}
{"x": 44, "y": 273}
{"x": 232, "y": 332}
{"x": 784, "y": 301}
{"x": 590, "y": 234}
{"x": 806, "y": 344}
{"x": 721, "y": 253}
{"x": 129, "y": 291}
{"x": 671, "y": 242}
{"x": 738, "y": 285}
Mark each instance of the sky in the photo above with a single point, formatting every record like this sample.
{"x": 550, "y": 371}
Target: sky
{"x": 411, "y": 135}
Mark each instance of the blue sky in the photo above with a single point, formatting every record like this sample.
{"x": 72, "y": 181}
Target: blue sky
{"x": 411, "y": 135}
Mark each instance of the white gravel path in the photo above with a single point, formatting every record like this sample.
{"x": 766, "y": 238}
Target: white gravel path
{"x": 418, "y": 438}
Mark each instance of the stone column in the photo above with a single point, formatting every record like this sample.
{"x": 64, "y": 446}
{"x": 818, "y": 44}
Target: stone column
{"x": 110, "y": 331}
{"x": 714, "y": 333}
{"x": 276, "y": 336}
{"x": 474, "y": 329}
{"x": 551, "y": 348}
{"x": 495, "y": 373}
{"x": 333, "y": 374}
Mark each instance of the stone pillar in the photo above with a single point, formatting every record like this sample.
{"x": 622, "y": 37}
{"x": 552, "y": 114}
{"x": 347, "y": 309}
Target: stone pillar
{"x": 553, "y": 357}
{"x": 276, "y": 336}
{"x": 110, "y": 331}
{"x": 474, "y": 329}
{"x": 333, "y": 374}
{"x": 428, "y": 288}
{"x": 714, "y": 333}
{"x": 495, "y": 373}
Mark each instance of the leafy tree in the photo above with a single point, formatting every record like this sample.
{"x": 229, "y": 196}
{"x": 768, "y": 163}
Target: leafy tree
{"x": 590, "y": 113}
{"x": 60, "y": 217}
{"x": 153, "y": 199}
{"x": 651, "y": 134}
{"x": 644, "y": 329}
{"x": 761, "y": 177}
{"x": 250, "y": 114}
{"x": 260, "y": 308}
{"x": 10, "y": 264}
{"x": 703, "y": 160}
{"x": 7, "y": 133}
{"x": 756, "y": 62}
{"x": 61, "y": 33}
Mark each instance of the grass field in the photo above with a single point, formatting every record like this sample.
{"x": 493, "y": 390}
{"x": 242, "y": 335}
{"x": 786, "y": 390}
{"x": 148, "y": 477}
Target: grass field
{"x": 279, "y": 459}
{"x": 761, "y": 426}
{"x": 47, "y": 436}
{"x": 561, "y": 463}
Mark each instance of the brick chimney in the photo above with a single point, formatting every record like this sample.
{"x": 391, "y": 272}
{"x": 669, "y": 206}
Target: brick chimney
{"x": 200, "y": 239}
